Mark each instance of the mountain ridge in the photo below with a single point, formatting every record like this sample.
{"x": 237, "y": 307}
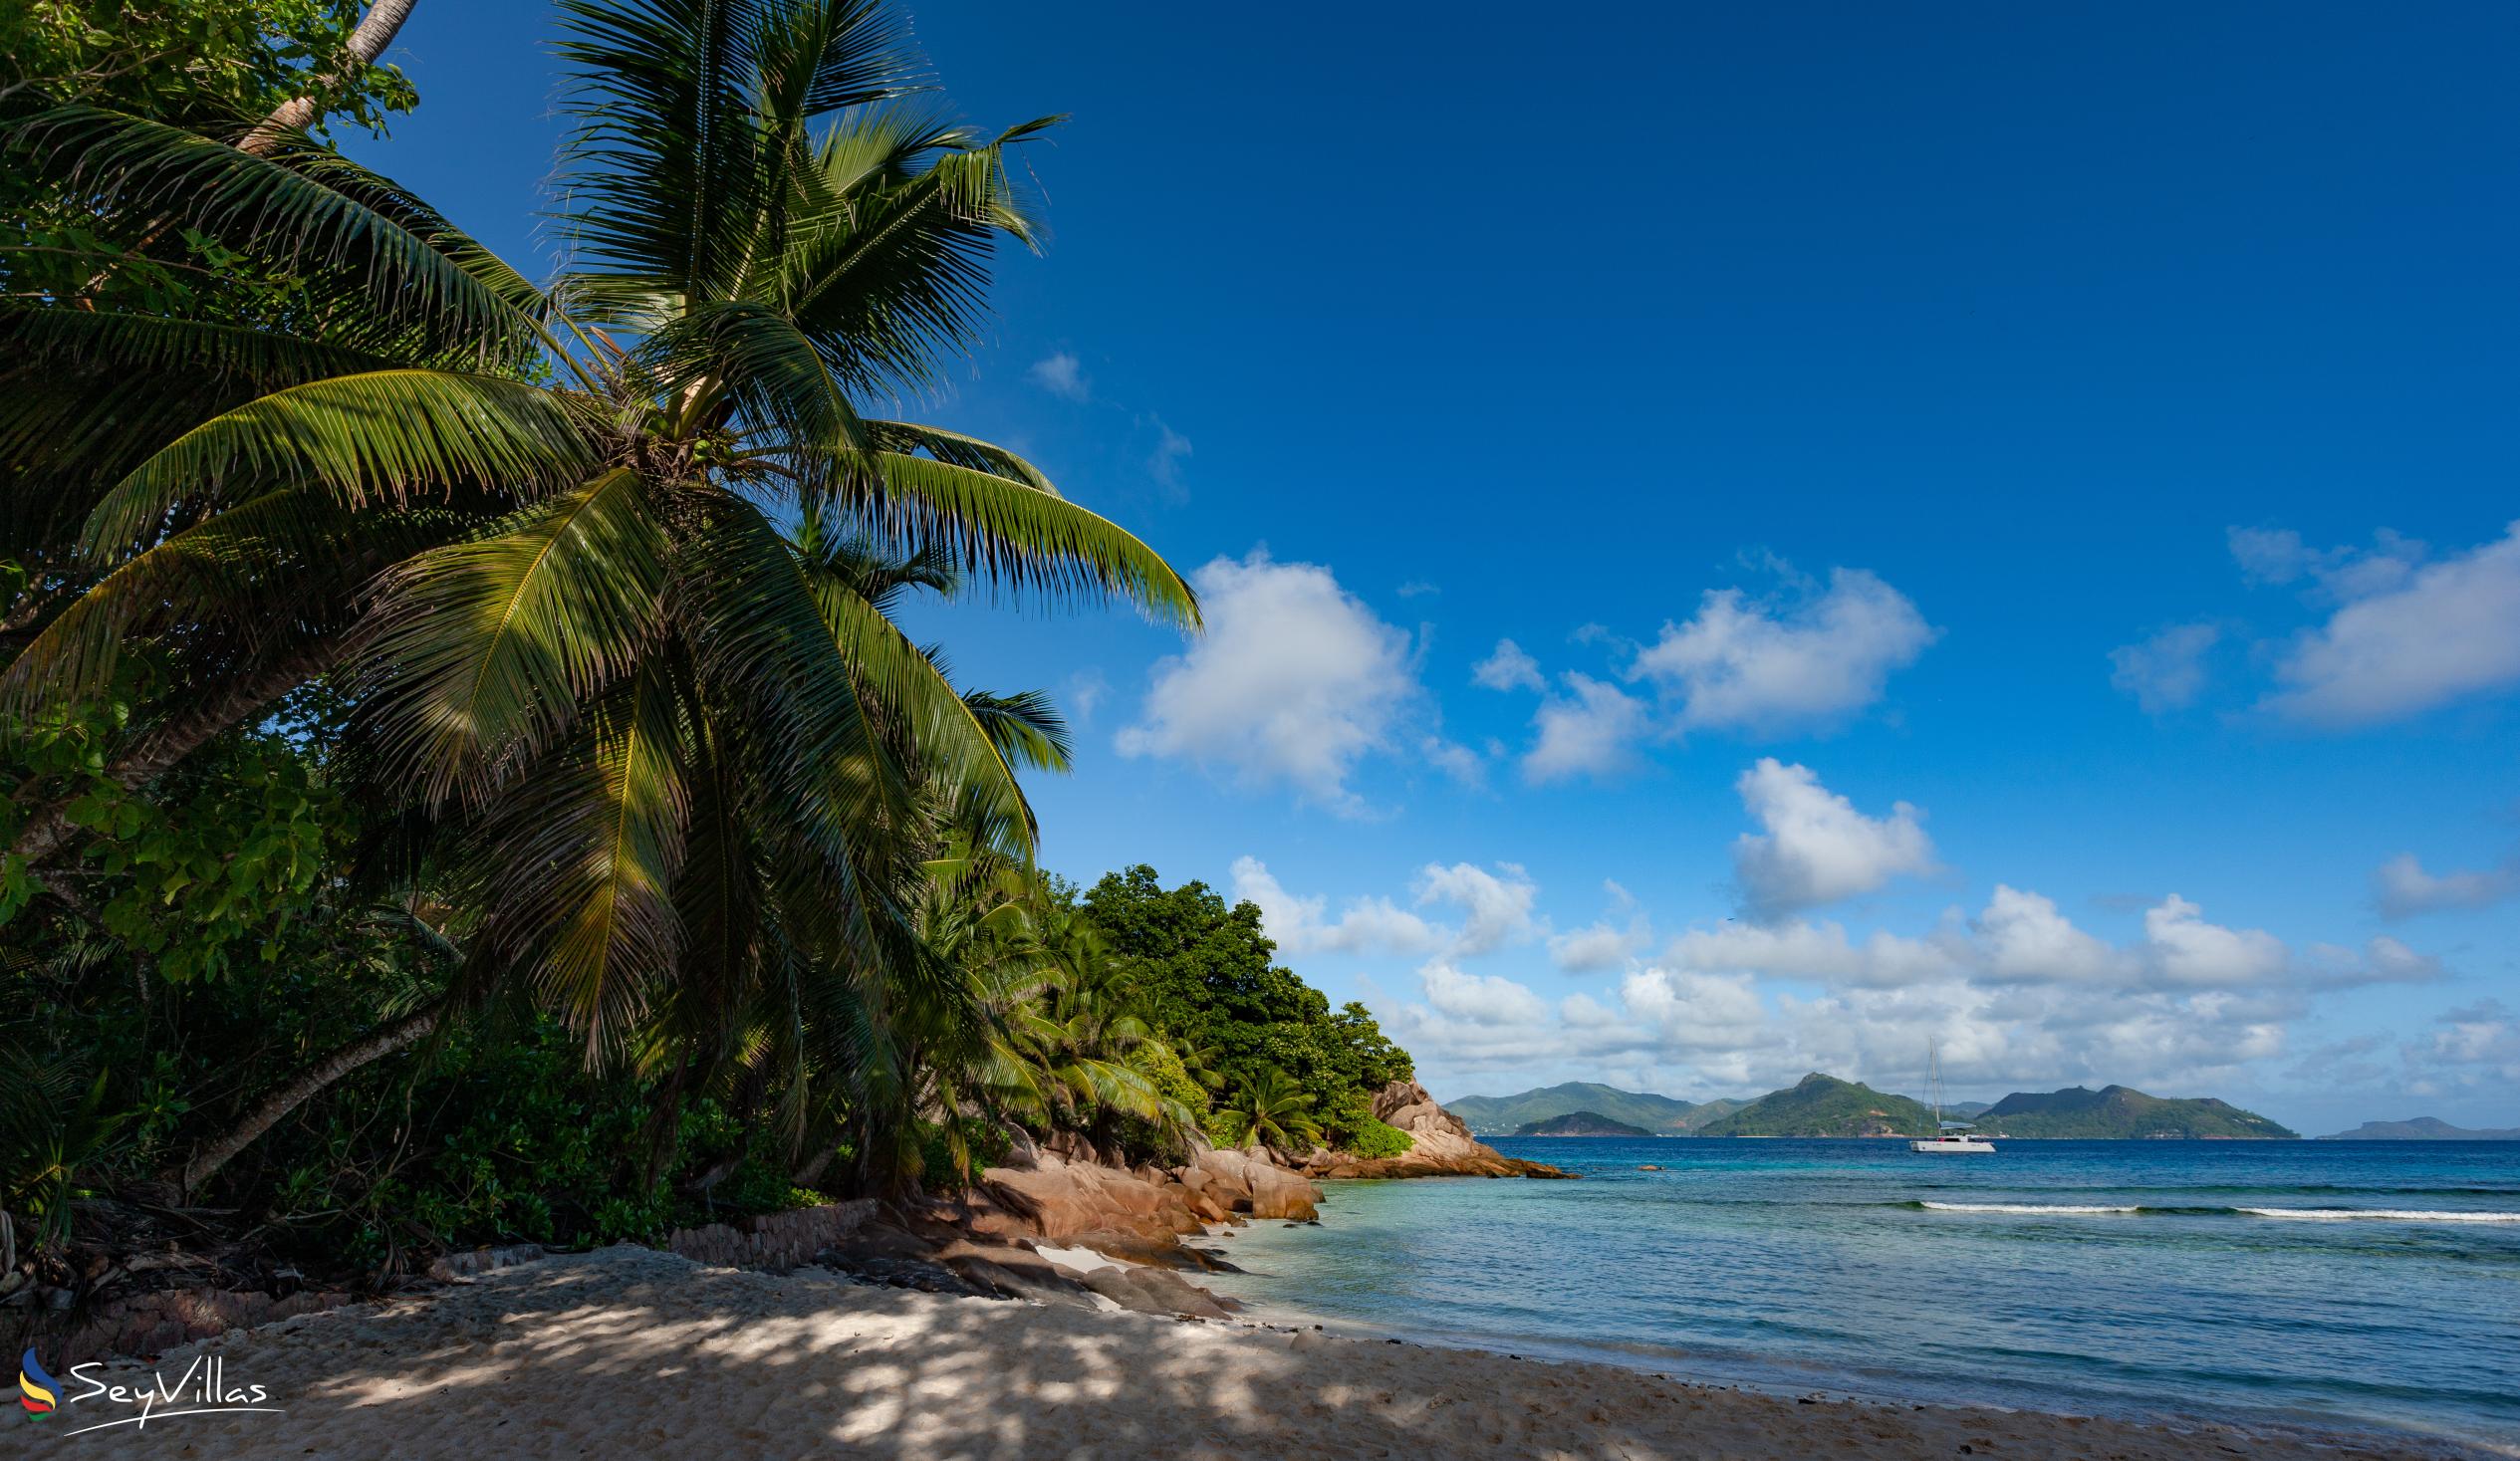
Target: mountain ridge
{"x": 2424, "y": 1128}
{"x": 2121, "y": 1112}
{"x": 2074, "y": 1112}
{"x": 1580, "y": 1123}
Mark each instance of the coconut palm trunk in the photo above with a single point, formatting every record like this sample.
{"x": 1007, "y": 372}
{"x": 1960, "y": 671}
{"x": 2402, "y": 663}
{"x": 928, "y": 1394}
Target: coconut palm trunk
{"x": 375, "y": 32}
{"x": 302, "y": 1088}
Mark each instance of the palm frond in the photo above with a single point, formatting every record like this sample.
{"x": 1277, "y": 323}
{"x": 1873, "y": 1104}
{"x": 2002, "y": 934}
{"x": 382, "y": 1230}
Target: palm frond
{"x": 483, "y": 650}
{"x": 1022, "y": 538}
{"x": 155, "y": 176}
{"x": 379, "y": 435}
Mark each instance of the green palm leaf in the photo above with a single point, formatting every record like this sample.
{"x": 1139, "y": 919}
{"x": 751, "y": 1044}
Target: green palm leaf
{"x": 380, "y": 436}
{"x": 482, "y": 651}
{"x": 1021, "y": 538}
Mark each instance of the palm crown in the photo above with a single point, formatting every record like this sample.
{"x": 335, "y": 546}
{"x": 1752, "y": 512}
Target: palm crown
{"x": 607, "y": 565}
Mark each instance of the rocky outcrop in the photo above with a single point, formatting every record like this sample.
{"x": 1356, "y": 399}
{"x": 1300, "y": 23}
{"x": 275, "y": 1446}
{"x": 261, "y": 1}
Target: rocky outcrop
{"x": 148, "y": 1325}
{"x": 775, "y": 1240}
{"x": 1440, "y": 1144}
{"x": 1049, "y": 1197}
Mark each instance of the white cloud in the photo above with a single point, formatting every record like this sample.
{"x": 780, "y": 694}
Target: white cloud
{"x": 1498, "y": 909}
{"x": 1599, "y": 946}
{"x": 1417, "y": 588}
{"x": 1481, "y": 999}
{"x": 2402, "y": 889}
{"x": 2429, "y": 637}
{"x": 2278, "y": 556}
{"x": 2023, "y": 937}
{"x": 1062, "y": 375}
{"x": 2182, "y": 949}
{"x": 2382, "y": 960}
{"x": 1819, "y": 951}
{"x": 1295, "y": 680}
{"x": 1170, "y": 450}
{"x": 1592, "y": 730}
{"x": 1818, "y": 848}
{"x": 1454, "y": 760}
{"x": 1752, "y": 664}
{"x": 1085, "y": 689}
{"x": 1509, "y": 668}
{"x": 1300, "y": 925}
{"x": 2166, "y": 671}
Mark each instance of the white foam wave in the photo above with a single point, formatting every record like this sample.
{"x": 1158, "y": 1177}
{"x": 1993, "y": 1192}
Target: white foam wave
{"x": 2381, "y": 1214}
{"x": 2029, "y": 1208}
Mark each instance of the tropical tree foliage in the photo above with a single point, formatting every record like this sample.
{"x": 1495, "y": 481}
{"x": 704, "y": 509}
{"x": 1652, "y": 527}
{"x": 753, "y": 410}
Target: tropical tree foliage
{"x": 465, "y": 774}
{"x": 1207, "y": 979}
{"x": 600, "y": 573}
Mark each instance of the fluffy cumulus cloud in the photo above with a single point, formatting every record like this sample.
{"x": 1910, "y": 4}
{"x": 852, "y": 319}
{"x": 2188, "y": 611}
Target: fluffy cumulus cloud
{"x": 1591, "y": 730}
{"x": 1817, "y": 848}
{"x": 2166, "y": 672}
{"x": 1481, "y": 999}
{"x": 1063, "y": 375}
{"x": 1508, "y": 669}
{"x": 2015, "y": 995}
{"x": 1294, "y": 681}
{"x": 2279, "y": 556}
{"x": 1495, "y": 910}
{"x": 2403, "y": 888}
{"x": 1300, "y": 925}
{"x": 1754, "y": 665}
{"x": 2183, "y": 949}
{"x": 2024, "y": 939}
{"x": 2404, "y": 638}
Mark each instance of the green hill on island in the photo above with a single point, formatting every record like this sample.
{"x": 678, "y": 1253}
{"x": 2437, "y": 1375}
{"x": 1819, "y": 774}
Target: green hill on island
{"x": 1580, "y": 1123}
{"x": 2424, "y": 1128}
{"x": 2116, "y": 1113}
{"x": 1824, "y": 1105}
{"x": 1498, "y": 1116}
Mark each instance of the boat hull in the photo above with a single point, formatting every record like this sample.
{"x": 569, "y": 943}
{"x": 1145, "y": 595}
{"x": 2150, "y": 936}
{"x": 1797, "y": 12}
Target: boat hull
{"x": 1956, "y": 1148}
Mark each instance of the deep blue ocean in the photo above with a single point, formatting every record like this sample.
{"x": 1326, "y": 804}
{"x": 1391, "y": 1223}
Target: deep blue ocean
{"x": 2326, "y": 1283}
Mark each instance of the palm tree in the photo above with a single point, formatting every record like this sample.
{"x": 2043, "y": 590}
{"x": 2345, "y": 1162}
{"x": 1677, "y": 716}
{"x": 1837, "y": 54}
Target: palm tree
{"x": 1269, "y": 1110}
{"x": 578, "y": 551}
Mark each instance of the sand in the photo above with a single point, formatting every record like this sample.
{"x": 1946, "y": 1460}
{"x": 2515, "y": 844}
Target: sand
{"x": 629, "y": 1353}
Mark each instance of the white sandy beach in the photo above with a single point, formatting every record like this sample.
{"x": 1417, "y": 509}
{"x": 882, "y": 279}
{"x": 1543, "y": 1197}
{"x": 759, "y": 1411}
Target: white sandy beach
{"x": 629, "y": 1352}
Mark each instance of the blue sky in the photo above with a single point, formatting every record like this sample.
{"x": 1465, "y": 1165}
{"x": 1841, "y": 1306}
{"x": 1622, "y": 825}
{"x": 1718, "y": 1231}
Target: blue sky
{"x": 2004, "y": 516}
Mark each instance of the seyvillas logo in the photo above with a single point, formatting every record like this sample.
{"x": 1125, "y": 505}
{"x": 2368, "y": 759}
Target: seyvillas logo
{"x": 39, "y": 1392}
{"x": 203, "y": 1389}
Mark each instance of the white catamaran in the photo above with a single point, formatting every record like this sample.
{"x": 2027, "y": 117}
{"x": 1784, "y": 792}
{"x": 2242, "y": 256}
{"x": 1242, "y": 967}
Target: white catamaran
{"x": 1953, "y": 1136}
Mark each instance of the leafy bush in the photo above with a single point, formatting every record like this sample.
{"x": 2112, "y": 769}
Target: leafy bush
{"x": 1378, "y": 1139}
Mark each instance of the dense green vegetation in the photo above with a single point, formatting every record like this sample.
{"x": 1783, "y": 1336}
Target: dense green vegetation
{"x": 1580, "y": 1123}
{"x": 1499, "y": 1114}
{"x": 2116, "y": 1114}
{"x": 1293, "y": 1067}
{"x": 465, "y": 778}
{"x": 1824, "y": 1105}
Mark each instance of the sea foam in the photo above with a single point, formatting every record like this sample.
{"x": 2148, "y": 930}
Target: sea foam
{"x": 2381, "y": 1214}
{"x": 2033, "y": 1209}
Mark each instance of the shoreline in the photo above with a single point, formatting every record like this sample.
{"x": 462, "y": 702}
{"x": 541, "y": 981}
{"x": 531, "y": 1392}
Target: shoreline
{"x": 633, "y": 1350}
{"x": 1772, "y": 1379}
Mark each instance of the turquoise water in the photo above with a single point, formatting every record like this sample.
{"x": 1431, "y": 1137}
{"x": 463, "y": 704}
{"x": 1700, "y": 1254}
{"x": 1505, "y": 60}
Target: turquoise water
{"x": 1862, "y": 1268}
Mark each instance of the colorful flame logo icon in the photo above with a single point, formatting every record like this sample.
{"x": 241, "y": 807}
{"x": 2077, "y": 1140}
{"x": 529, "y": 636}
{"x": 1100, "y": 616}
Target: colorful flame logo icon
{"x": 38, "y": 1391}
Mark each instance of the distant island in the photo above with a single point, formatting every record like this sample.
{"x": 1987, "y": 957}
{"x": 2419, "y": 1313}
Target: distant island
{"x": 1660, "y": 1115}
{"x": 2121, "y": 1113}
{"x": 2424, "y": 1128}
{"x": 1824, "y": 1105}
{"x": 1580, "y": 1123}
